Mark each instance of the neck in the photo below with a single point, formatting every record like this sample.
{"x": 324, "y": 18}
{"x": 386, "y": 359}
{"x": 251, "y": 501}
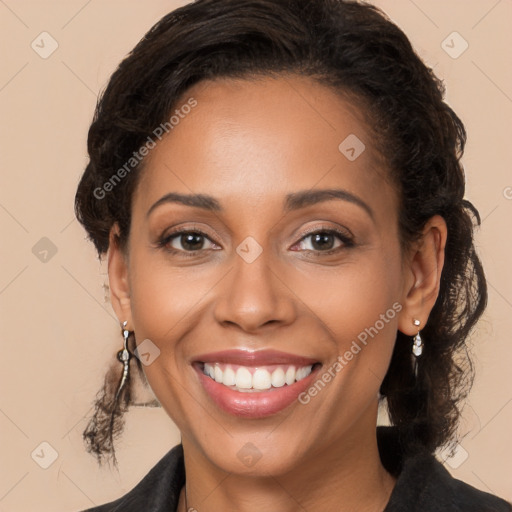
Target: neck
{"x": 345, "y": 476}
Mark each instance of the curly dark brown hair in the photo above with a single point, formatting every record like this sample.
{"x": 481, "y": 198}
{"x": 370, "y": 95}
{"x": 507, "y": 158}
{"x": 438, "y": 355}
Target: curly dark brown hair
{"x": 357, "y": 51}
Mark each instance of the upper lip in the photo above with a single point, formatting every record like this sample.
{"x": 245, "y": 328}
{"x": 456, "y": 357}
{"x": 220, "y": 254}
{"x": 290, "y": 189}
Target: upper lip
{"x": 255, "y": 357}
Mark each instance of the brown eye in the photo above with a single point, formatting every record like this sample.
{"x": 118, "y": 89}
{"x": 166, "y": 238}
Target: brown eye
{"x": 187, "y": 241}
{"x": 324, "y": 240}
{"x": 191, "y": 241}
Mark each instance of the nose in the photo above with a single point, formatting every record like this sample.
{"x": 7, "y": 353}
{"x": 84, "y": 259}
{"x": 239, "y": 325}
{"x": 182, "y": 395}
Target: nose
{"x": 254, "y": 296}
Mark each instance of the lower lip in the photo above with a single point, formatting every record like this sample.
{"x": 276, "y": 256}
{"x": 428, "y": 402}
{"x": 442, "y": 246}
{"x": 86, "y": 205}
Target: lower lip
{"x": 254, "y": 404}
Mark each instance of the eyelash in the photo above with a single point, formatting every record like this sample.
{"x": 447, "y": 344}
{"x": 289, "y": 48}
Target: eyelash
{"x": 346, "y": 240}
{"x": 164, "y": 241}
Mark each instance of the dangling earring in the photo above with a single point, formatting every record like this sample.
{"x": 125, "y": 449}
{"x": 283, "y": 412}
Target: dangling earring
{"x": 107, "y": 422}
{"x": 417, "y": 348}
{"x": 124, "y": 356}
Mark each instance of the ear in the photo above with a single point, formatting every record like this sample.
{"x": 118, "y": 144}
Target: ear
{"x": 118, "y": 279}
{"x": 422, "y": 278}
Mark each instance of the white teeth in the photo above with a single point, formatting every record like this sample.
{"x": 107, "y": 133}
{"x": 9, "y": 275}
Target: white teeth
{"x": 261, "y": 379}
{"x": 302, "y": 372}
{"x": 229, "y": 378}
{"x": 243, "y": 378}
{"x": 278, "y": 379}
{"x": 290, "y": 375}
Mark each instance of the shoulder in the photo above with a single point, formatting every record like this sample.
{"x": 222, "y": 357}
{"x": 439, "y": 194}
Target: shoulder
{"x": 158, "y": 491}
{"x": 425, "y": 485}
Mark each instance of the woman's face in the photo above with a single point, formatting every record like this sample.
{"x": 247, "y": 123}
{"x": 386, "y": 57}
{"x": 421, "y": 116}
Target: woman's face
{"x": 274, "y": 278}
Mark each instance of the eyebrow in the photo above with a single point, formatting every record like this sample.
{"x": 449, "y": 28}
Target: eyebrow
{"x": 195, "y": 200}
{"x": 293, "y": 201}
{"x": 305, "y": 198}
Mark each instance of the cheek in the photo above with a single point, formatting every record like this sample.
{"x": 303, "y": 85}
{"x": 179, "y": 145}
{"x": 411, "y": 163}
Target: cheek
{"x": 351, "y": 297}
{"x": 359, "y": 307}
{"x": 164, "y": 300}
{"x": 164, "y": 305}
{"x": 373, "y": 337}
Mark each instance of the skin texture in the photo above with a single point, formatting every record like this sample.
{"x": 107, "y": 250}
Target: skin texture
{"x": 249, "y": 143}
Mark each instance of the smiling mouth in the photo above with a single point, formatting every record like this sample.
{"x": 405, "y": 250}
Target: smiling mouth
{"x": 256, "y": 379}
{"x": 254, "y": 384}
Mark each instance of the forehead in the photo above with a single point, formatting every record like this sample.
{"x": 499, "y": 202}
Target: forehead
{"x": 251, "y": 142}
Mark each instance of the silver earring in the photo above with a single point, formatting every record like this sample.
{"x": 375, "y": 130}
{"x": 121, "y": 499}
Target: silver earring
{"x": 417, "y": 348}
{"x": 124, "y": 356}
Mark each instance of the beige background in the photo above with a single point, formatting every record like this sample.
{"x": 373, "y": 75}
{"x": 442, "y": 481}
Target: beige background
{"x": 58, "y": 331}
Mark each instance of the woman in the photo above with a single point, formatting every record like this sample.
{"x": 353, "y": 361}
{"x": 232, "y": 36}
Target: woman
{"x": 278, "y": 188}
